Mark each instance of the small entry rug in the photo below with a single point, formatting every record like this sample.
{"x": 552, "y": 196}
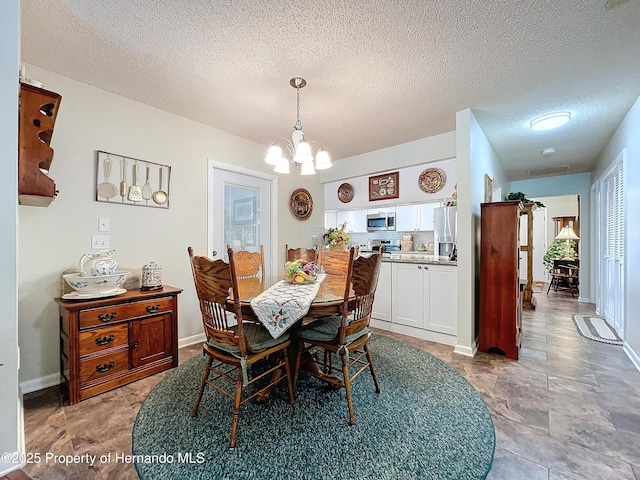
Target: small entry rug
{"x": 597, "y": 329}
{"x": 427, "y": 422}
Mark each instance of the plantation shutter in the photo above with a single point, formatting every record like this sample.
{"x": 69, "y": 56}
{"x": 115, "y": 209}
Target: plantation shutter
{"x": 614, "y": 216}
{"x": 620, "y": 216}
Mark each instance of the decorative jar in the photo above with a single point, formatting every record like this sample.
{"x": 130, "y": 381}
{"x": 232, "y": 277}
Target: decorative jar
{"x": 151, "y": 277}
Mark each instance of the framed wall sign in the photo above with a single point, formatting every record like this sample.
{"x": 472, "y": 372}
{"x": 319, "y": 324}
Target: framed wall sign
{"x": 382, "y": 187}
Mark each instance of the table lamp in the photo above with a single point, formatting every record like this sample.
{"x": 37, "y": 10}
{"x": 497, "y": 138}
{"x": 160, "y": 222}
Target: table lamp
{"x": 567, "y": 234}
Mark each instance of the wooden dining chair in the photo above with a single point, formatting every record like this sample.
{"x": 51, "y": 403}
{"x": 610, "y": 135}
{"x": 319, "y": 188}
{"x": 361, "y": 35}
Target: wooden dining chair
{"x": 233, "y": 348}
{"x": 249, "y": 264}
{"x": 334, "y": 262}
{"x": 308, "y": 254}
{"x": 346, "y": 334}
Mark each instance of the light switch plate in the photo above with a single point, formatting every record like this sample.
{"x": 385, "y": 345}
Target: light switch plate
{"x": 103, "y": 224}
{"x": 100, "y": 241}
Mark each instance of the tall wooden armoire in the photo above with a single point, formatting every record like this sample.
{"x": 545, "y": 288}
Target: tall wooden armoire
{"x": 500, "y": 303}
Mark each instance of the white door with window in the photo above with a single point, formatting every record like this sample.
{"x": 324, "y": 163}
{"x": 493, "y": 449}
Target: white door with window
{"x": 240, "y": 211}
{"x": 613, "y": 241}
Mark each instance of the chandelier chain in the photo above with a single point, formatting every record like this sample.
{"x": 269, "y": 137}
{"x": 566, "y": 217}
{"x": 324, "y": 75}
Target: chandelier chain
{"x": 298, "y": 125}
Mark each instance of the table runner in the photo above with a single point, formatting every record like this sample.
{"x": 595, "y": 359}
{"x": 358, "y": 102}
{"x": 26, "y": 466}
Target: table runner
{"x": 284, "y": 303}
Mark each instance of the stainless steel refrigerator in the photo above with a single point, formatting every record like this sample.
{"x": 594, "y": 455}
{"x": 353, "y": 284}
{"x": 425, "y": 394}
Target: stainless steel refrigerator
{"x": 445, "y": 221}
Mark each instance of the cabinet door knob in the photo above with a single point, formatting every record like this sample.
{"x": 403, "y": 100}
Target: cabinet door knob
{"x": 419, "y": 267}
{"x": 153, "y": 308}
{"x": 134, "y": 345}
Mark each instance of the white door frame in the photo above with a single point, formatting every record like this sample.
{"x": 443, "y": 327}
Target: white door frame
{"x": 273, "y": 180}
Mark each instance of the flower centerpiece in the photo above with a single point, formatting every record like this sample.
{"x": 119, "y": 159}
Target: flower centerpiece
{"x": 337, "y": 238}
{"x": 300, "y": 271}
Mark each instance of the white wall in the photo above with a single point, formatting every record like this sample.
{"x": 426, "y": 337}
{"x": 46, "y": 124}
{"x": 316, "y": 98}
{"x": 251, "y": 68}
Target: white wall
{"x": 10, "y": 418}
{"x": 475, "y": 158}
{"x": 628, "y": 136}
{"x": 577, "y": 184}
{"x": 52, "y": 239}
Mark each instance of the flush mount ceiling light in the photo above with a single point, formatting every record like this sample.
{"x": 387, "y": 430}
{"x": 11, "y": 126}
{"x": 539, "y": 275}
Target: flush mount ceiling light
{"x": 297, "y": 152}
{"x": 549, "y": 151}
{"x": 550, "y": 121}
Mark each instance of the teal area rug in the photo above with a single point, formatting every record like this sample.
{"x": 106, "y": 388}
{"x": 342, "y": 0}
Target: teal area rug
{"x": 428, "y": 422}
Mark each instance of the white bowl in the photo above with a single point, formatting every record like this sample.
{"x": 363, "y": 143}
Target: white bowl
{"x": 95, "y": 284}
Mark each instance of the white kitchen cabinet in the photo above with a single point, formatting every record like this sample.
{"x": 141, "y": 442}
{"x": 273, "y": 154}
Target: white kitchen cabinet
{"x": 443, "y": 299}
{"x": 410, "y": 286}
{"x": 382, "y": 301}
{"x": 425, "y": 296}
{"x": 356, "y": 220}
{"x": 407, "y": 218}
{"x": 381, "y": 210}
{"x": 330, "y": 219}
{"x": 415, "y": 217}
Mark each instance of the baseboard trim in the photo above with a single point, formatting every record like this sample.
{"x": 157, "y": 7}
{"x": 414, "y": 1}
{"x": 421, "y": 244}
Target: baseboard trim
{"x": 7, "y": 468}
{"x": 633, "y": 356}
{"x": 584, "y": 300}
{"x": 467, "y": 351}
{"x": 41, "y": 383}
{"x": 192, "y": 340}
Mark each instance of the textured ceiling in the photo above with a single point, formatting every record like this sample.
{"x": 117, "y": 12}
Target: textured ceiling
{"x": 379, "y": 73}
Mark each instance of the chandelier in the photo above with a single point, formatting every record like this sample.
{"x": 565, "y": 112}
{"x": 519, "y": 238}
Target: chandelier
{"x": 298, "y": 151}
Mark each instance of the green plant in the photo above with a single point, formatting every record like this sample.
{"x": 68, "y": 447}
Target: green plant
{"x": 559, "y": 250}
{"x": 521, "y": 196}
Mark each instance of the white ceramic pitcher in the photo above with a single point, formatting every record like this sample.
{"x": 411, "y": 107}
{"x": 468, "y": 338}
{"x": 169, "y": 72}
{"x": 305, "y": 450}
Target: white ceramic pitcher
{"x": 99, "y": 263}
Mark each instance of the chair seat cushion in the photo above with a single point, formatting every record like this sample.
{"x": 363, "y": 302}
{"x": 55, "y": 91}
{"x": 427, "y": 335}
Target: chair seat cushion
{"x": 325, "y": 329}
{"x": 258, "y": 338}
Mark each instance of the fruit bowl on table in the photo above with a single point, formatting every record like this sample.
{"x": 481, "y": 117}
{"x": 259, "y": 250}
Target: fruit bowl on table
{"x": 300, "y": 272}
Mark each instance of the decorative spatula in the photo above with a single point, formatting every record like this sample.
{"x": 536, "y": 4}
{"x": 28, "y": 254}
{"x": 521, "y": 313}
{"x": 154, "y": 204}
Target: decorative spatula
{"x": 135, "y": 193}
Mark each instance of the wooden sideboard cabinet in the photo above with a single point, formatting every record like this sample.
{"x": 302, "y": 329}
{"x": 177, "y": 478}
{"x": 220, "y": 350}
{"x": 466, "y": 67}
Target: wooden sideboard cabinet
{"x": 109, "y": 342}
{"x": 500, "y": 302}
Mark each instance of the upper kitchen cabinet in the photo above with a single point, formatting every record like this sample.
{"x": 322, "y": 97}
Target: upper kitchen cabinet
{"x": 38, "y": 111}
{"x": 416, "y": 217}
{"x": 356, "y": 220}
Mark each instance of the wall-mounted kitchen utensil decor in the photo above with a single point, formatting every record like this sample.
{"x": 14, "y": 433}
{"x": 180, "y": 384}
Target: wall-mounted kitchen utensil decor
{"x": 345, "y": 192}
{"x": 301, "y": 204}
{"x": 119, "y": 179}
{"x": 382, "y": 187}
{"x": 432, "y": 180}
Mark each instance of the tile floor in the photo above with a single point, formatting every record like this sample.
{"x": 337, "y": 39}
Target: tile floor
{"x": 568, "y": 409}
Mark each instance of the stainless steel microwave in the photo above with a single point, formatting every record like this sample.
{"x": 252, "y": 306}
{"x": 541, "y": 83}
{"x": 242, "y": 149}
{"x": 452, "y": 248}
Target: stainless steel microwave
{"x": 381, "y": 222}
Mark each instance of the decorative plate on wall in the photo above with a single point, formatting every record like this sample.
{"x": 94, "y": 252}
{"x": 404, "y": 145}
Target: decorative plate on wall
{"x": 345, "y": 192}
{"x": 432, "y": 180}
{"x": 301, "y": 204}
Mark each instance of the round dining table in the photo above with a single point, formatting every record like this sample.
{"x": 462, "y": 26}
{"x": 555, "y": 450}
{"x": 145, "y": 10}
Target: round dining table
{"x": 328, "y": 301}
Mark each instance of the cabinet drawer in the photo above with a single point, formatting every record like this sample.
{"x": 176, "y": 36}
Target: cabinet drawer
{"x": 103, "y": 366}
{"x": 108, "y": 315}
{"x": 99, "y": 339}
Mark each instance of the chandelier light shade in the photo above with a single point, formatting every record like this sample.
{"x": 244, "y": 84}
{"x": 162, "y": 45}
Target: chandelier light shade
{"x": 298, "y": 151}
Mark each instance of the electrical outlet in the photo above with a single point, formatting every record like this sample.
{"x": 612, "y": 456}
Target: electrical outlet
{"x": 103, "y": 224}
{"x": 99, "y": 241}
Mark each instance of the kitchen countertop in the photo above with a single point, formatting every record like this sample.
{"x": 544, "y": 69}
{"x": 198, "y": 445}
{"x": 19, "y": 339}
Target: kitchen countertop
{"x": 417, "y": 257}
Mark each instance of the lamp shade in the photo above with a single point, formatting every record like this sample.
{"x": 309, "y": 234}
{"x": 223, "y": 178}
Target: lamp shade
{"x": 567, "y": 233}
{"x": 323, "y": 160}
